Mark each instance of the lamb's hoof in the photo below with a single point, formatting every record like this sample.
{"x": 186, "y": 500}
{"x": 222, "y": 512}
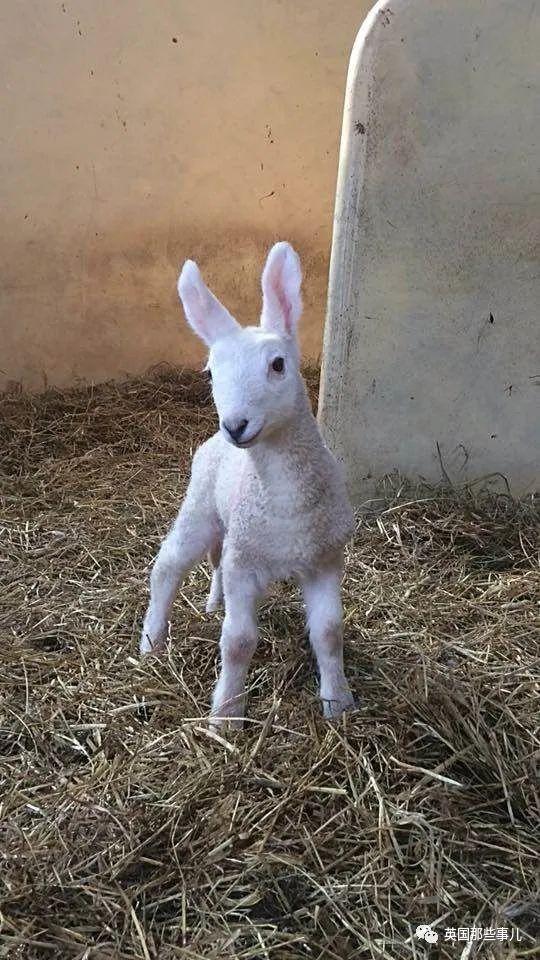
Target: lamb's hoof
{"x": 332, "y": 709}
{"x": 149, "y": 647}
{"x": 213, "y": 604}
{"x": 223, "y": 723}
{"x": 229, "y": 714}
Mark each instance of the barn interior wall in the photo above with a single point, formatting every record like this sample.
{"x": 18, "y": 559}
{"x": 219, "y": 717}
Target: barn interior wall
{"x": 135, "y": 135}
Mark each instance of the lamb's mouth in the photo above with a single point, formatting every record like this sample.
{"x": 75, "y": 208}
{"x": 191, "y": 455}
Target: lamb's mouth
{"x": 250, "y": 441}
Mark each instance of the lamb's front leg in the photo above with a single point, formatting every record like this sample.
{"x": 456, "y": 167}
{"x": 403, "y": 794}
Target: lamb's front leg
{"x": 322, "y": 597}
{"x": 238, "y": 642}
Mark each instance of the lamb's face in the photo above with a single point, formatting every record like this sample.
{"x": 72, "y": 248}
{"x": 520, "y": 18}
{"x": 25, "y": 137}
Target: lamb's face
{"x": 255, "y": 370}
{"x": 255, "y": 377}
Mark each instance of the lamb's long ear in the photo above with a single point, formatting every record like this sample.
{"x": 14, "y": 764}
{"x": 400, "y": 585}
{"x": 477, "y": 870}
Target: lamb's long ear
{"x": 281, "y": 282}
{"x": 205, "y": 314}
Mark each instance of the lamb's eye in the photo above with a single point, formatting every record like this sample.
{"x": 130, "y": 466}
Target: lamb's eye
{"x": 278, "y": 365}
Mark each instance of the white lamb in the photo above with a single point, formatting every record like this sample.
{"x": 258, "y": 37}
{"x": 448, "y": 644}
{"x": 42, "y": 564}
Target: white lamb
{"x": 266, "y": 500}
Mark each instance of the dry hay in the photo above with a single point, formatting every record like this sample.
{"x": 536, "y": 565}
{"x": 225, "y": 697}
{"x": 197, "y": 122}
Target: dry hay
{"x": 129, "y": 831}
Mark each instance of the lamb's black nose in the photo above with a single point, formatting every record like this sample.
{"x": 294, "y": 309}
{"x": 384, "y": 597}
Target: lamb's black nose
{"x": 235, "y": 428}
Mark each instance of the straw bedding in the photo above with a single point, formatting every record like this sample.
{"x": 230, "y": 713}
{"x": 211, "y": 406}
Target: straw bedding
{"x": 129, "y": 830}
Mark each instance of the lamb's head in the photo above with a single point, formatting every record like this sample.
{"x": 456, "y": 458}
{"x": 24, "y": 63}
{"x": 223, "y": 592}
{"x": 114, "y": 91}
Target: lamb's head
{"x": 254, "y": 370}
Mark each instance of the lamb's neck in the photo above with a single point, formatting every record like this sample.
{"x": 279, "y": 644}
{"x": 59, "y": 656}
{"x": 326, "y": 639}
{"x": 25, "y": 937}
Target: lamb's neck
{"x": 289, "y": 451}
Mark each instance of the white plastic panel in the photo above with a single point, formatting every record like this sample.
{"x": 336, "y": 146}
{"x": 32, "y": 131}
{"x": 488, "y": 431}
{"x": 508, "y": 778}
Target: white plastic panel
{"x": 432, "y": 342}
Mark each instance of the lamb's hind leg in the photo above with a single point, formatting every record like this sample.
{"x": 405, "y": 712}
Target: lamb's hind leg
{"x": 215, "y": 596}
{"x": 192, "y": 534}
{"x": 322, "y": 596}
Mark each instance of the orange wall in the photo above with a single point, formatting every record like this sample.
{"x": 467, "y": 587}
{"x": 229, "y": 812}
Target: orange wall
{"x": 136, "y": 134}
